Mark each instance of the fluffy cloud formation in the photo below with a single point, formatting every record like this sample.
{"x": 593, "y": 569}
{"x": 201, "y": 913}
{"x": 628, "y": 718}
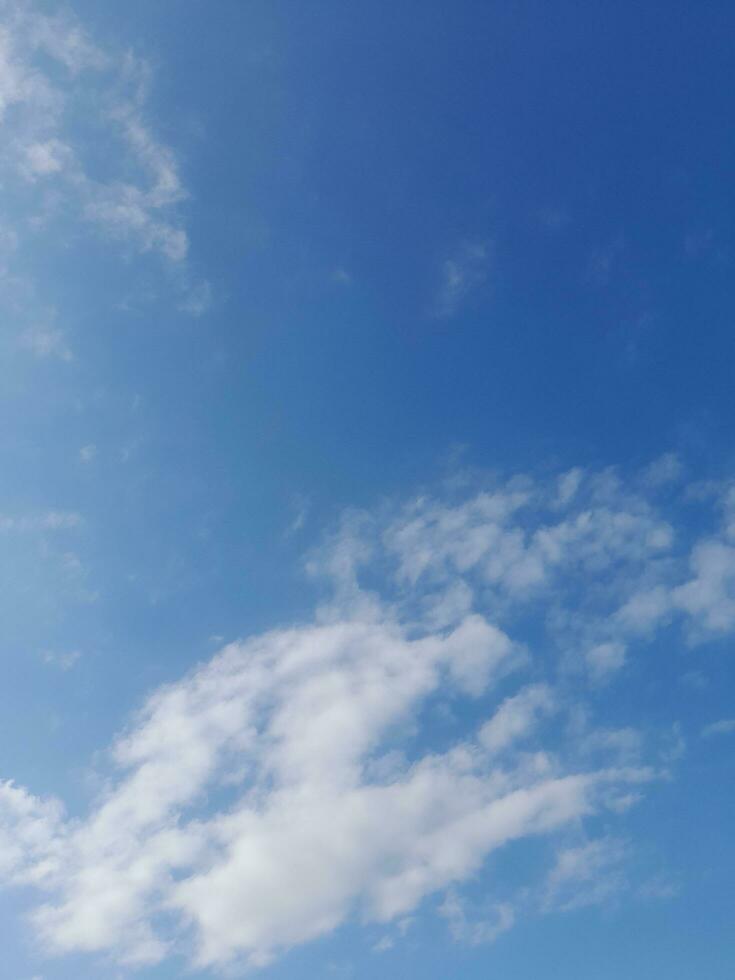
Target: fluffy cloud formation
{"x": 301, "y": 778}
{"x": 29, "y": 831}
{"x": 294, "y": 782}
{"x": 327, "y": 817}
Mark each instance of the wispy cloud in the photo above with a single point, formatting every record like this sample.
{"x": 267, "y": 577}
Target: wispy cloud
{"x": 726, "y": 726}
{"x": 47, "y": 64}
{"x": 63, "y": 661}
{"x": 664, "y": 470}
{"x": 46, "y": 341}
{"x": 63, "y": 96}
{"x": 52, "y": 520}
{"x": 473, "y": 930}
{"x": 605, "y": 659}
{"x": 465, "y": 271}
{"x": 588, "y": 874}
{"x": 603, "y": 262}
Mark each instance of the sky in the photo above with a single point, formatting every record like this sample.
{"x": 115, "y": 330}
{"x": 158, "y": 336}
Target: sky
{"x": 367, "y": 510}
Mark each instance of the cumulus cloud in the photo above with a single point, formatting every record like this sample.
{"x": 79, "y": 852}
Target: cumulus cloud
{"x": 293, "y": 718}
{"x": 709, "y": 595}
{"x": 296, "y": 781}
{"x": 30, "y": 831}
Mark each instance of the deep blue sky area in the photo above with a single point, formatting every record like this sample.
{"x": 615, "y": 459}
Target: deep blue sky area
{"x": 408, "y": 328}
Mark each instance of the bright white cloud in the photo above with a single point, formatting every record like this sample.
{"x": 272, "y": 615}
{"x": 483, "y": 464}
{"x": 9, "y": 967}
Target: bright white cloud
{"x": 295, "y": 781}
{"x": 29, "y": 834}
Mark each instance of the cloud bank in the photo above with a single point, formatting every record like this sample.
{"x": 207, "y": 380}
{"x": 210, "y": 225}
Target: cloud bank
{"x": 301, "y": 779}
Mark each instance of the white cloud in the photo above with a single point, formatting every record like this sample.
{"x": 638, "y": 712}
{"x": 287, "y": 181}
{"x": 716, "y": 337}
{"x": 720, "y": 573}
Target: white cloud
{"x": 645, "y": 610}
{"x": 617, "y": 746}
{"x": 197, "y": 299}
{"x": 568, "y": 484}
{"x": 696, "y": 680}
{"x": 64, "y": 661}
{"x": 605, "y": 659}
{"x": 293, "y": 718}
{"x": 666, "y": 469}
{"x": 43, "y": 137}
{"x": 659, "y": 888}
{"x": 341, "y": 276}
{"x": 46, "y": 341}
{"x": 476, "y": 931}
{"x": 516, "y": 717}
{"x": 589, "y": 874}
{"x": 41, "y": 159}
{"x": 709, "y": 596}
{"x": 461, "y": 274}
{"x": 29, "y": 833}
{"x": 726, "y": 726}
{"x": 63, "y": 99}
{"x": 298, "y": 780}
{"x": 52, "y": 520}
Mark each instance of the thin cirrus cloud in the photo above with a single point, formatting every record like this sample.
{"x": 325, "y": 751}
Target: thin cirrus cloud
{"x": 462, "y": 273}
{"x": 39, "y": 108}
{"x": 51, "y": 520}
{"x": 726, "y": 726}
{"x": 46, "y": 341}
{"x": 81, "y": 156}
{"x": 337, "y": 802}
{"x": 587, "y": 874}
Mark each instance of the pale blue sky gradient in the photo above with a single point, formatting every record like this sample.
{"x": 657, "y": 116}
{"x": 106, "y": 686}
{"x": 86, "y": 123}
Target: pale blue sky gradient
{"x": 392, "y": 344}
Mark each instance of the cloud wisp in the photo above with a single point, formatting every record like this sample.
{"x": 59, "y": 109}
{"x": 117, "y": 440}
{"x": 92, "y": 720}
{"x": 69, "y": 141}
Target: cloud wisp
{"x": 461, "y": 274}
{"x": 80, "y": 156}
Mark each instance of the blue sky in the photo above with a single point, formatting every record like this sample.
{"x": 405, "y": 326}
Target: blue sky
{"x": 367, "y": 509}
